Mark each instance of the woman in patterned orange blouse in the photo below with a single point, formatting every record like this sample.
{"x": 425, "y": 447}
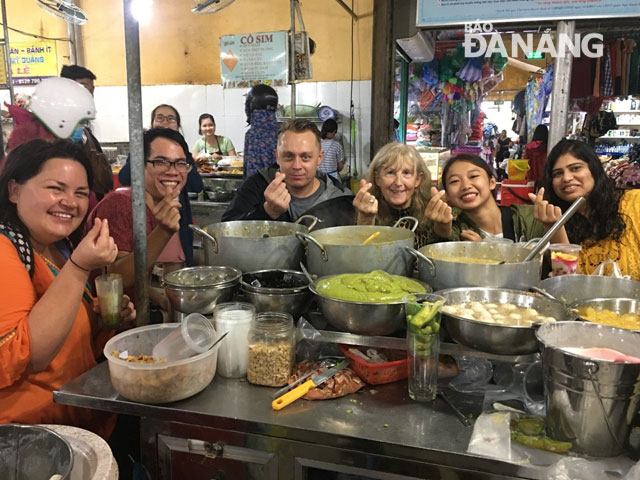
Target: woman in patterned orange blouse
{"x": 608, "y": 226}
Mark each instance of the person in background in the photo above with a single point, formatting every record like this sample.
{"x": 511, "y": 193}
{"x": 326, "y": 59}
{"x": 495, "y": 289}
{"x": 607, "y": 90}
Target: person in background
{"x": 502, "y": 152}
{"x": 49, "y": 326}
{"x": 608, "y": 225}
{"x": 395, "y": 186}
{"x": 261, "y": 139}
{"x": 294, "y": 186}
{"x": 470, "y": 187}
{"x": 169, "y": 239}
{"x": 333, "y": 158}
{"x": 168, "y": 117}
{"x": 103, "y": 177}
{"x": 211, "y": 144}
{"x": 536, "y": 152}
{"x": 58, "y": 108}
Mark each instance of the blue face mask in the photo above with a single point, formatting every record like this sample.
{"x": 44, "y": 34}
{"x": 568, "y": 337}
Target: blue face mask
{"x": 77, "y": 134}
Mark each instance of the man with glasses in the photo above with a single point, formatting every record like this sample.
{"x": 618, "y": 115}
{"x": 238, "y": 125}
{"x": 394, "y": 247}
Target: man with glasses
{"x": 169, "y": 240}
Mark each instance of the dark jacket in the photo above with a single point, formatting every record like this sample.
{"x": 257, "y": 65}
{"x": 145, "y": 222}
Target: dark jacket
{"x": 334, "y": 207}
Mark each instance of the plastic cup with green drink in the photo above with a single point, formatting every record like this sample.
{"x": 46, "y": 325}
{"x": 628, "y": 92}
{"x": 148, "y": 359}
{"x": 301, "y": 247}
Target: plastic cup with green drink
{"x": 109, "y": 289}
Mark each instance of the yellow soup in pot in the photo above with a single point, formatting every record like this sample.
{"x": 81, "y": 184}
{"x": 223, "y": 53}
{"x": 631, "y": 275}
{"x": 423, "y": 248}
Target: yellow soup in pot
{"x": 630, "y": 321}
{"x": 487, "y": 261}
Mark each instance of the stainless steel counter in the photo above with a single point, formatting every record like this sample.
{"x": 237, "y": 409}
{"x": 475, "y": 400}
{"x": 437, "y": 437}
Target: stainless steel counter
{"x": 378, "y": 420}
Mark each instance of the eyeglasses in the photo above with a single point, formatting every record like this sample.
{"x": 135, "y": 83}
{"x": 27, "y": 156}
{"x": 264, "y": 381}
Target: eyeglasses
{"x": 167, "y": 119}
{"x": 164, "y": 165}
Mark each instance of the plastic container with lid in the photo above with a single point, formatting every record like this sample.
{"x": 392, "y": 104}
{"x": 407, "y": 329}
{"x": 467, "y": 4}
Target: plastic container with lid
{"x": 237, "y": 319}
{"x": 271, "y": 349}
{"x": 564, "y": 258}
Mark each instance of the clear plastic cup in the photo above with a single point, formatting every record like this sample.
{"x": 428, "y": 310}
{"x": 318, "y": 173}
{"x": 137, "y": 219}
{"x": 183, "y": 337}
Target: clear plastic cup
{"x": 193, "y": 336}
{"x": 564, "y": 258}
{"x": 109, "y": 290}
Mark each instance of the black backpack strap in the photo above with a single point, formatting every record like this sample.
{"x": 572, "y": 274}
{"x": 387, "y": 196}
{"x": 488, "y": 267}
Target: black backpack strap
{"x": 508, "y": 230}
{"x": 25, "y": 252}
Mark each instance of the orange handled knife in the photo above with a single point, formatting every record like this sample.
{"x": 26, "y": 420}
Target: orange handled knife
{"x": 301, "y": 390}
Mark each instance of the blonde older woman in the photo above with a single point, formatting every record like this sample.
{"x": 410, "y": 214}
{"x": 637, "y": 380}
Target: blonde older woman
{"x": 396, "y": 185}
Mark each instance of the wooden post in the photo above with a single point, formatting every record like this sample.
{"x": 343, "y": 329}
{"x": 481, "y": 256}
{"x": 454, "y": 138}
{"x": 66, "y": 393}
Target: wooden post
{"x": 382, "y": 76}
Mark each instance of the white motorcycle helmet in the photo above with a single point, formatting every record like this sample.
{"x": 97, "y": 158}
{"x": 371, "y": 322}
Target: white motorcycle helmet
{"x": 61, "y": 104}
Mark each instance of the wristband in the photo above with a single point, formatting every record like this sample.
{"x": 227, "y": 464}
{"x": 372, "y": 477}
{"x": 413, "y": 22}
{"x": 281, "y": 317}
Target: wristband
{"x": 81, "y": 268}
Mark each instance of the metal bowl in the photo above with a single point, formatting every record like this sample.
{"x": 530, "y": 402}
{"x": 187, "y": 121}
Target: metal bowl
{"x": 32, "y": 452}
{"x": 276, "y": 281}
{"x": 573, "y": 288}
{"x": 198, "y": 289}
{"x": 499, "y": 339}
{"x": 363, "y": 318}
{"x": 278, "y": 291}
{"x": 219, "y": 195}
{"x": 618, "y": 305}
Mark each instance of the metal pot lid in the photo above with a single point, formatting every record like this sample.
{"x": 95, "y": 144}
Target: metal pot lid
{"x": 202, "y": 276}
{"x": 275, "y": 281}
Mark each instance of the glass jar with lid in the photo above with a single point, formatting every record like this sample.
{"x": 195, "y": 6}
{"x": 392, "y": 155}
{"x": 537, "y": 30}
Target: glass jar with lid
{"x": 271, "y": 349}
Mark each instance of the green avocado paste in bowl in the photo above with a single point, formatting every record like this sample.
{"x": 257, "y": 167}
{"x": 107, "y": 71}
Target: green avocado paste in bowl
{"x": 373, "y": 287}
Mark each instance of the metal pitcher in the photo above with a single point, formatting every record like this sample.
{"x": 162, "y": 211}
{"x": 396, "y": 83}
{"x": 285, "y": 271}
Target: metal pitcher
{"x": 589, "y": 402}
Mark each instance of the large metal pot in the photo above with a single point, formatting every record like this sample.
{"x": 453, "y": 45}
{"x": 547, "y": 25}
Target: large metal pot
{"x": 198, "y": 289}
{"x": 574, "y": 288}
{"x": 31, "y": 452}
{"x": 618, "y": 305}
{"x": 494, "y": 338}
{"x": 440, "y": 273}
{"x": 331, "y": 251}
{"x": 362, "y": 318}
{"x": 251, "y": 245}
{"x": 277, "y": 291}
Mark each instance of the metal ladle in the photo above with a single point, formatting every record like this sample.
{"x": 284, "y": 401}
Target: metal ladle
{"x": 307, "y": 274}
{"x": 538, "y": 247}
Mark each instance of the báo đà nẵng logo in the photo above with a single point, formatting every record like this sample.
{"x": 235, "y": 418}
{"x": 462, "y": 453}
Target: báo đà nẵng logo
{"x": 480, "y": 39}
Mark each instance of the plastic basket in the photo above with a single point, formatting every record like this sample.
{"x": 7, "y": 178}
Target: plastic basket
{"x": 310, "y": 111}
{"x": 515, "y": 191}
{"x": 377, "y": 373}
{"x": 517, "y": 169}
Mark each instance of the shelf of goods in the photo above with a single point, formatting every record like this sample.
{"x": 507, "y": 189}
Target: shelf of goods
{"x": 435, "y": 158}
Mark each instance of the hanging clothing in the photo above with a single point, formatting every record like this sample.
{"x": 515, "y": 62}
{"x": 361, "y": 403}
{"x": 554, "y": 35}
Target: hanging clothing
{"x": 634, "y": 88}
{"x": 260, "y": 142}
{"x": 532, "y": 104}
{"x": 546, "y": 86}
{"x": 607, "y": 79}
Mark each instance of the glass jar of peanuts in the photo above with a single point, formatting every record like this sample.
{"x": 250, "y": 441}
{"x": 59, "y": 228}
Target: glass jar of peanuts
{"x": 271, "y": 349}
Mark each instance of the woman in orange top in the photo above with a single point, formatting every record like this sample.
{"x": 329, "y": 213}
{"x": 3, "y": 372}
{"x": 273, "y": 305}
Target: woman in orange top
{"x": 48, "y": 326}
{"x": 608, "y": 226}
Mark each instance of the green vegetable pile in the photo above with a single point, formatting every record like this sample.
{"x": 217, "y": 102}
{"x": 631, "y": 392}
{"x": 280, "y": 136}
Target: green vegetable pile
{"x": 529, "y": 431}
{"x": 423, "y": 320}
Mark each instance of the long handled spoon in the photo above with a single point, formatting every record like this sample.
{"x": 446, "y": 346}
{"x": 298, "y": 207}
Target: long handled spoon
{"x": 577, "y": 203}
{"x": 371, "y": 238}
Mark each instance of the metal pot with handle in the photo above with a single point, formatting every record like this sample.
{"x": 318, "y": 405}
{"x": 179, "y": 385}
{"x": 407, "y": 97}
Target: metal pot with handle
{"x": 336, "y": 250}
{"x": 574, "y": 288}
{"x": 477, "y": 264}
{"x": 251, "y": 245}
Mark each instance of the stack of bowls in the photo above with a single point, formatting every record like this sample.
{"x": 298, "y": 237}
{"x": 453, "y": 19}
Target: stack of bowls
{"x": 277, "y": 290}
{"x": 198, "y": 289}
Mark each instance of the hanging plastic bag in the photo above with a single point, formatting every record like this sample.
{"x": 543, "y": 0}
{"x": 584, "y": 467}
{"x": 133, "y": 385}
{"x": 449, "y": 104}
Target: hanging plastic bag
{"x": 309, "y": 346}
{"x": 609, "y": 268}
